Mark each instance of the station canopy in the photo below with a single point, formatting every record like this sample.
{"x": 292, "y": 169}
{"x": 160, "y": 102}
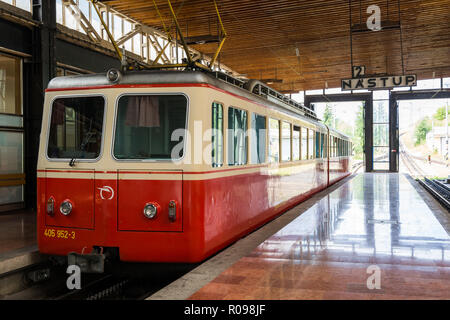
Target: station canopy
{"x": 310, "y": 44}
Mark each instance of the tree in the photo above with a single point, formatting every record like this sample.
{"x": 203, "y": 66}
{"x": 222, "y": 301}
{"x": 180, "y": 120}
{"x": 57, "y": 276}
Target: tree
{"x": 328, "y": 116}
{"x": 422, "y": 128}
{"x": 358, "y": 139}
{"x": 440, "y": 113}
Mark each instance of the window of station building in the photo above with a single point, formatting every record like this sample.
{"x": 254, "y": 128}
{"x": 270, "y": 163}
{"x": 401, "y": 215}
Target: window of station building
{"x": 311, "y": 144}
{"x": 296, "y": 143}
{"x": 237, "y": 139}
{"x": 150, "y": 127}
{"x": 258, "y": 139}
{"x": 304, "y": 144}
{"x": 22, "y": 4}
{"x": 217, "y": 135}
{"x": 285, "y": 141}
{"x": 12, "y": 177}
{"x": 274, "y": 140}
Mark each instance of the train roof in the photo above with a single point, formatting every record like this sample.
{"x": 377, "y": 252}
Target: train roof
{"x": 218, "y": 80}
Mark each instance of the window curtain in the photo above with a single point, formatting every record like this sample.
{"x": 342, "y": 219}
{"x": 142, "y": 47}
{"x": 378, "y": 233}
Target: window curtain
{"x": 142, "y": 111}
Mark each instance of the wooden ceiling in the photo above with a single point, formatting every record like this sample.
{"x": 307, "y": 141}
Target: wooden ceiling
{"x": 264, "y": 35}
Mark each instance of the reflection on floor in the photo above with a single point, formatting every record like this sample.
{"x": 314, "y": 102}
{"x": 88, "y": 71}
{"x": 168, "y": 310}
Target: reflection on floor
{"x": 334, "y": 250}
{"x": 17, "y": 230}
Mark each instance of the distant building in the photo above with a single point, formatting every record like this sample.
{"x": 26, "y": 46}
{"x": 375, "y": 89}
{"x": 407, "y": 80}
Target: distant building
{"x": 436, "y": 139}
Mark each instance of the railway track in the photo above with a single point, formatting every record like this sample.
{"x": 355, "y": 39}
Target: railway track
{"x": 437, "y": 189}
{"x": 121, "y": 282}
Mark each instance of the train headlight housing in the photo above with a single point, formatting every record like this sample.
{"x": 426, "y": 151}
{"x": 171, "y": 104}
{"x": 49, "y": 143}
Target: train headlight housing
{"x": 113, "y": 75}
{"x": 66, "y": 207}
{"x": 150, "y": 210}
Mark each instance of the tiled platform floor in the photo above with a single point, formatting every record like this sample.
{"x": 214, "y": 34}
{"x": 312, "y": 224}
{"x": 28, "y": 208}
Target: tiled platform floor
{"x": 17, "y": 231}
{"x": 375, "y": 219}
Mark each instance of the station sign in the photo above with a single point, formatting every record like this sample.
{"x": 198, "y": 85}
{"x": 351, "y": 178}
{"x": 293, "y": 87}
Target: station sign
{"x": 359, "y": 82}
{"x": 372, "y": 83}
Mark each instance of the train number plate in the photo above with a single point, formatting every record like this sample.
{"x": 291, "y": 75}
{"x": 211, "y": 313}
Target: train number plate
{"x": 59, "y": 234}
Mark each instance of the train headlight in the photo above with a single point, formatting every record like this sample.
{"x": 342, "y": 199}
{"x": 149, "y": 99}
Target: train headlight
{"x": 150, "y": 210}
{"x": 66, "y": 207}
{"x": 113, "y": 75}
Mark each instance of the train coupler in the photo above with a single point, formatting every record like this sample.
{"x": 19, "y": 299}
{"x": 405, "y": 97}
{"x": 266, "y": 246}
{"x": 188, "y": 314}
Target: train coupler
{"x": 93, "y": 262}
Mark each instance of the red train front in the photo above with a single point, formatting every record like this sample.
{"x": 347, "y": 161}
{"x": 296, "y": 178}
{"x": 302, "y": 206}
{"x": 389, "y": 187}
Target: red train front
{"x": 172, "y": 166}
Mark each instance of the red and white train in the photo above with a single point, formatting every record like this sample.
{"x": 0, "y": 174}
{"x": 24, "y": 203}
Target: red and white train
{"x": 172, "y": 166}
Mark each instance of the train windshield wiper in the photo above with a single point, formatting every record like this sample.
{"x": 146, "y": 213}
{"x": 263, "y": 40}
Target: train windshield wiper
{"x": 84, "y": 143}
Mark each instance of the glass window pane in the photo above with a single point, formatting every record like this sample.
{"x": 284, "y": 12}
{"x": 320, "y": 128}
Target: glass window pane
{"x": 381, "y": 111}
{"x": 380, "y": 154}
{"x": 11, "y": 152}
{"x": 446, "y": 82}
{"x": 76, "y": 128}
{"x": 84, "y": 6}
{"x": 381, "y": 135}
{"x": 317, "y": 146}
{"x": 150, "y": 127}
{"x": 428, "y": 84}
{"x": 296, "y": 143}
{"x": 237, "y": 140}
{"x": 24, "y": 4}
{"x": 8, "y": 120}
{"x": 217, "y": 135}
{"x": 384, "y": 166}
{"x": 380, "y": 94}
{"x": 274, "y": 140}
{"x": 314, "y": 92}
{"x": 286, "y": 142}
{"x": 12, "y": 194}
{"x": 304, "y": 147}
{"x": 117, "y": 27}
{"x": 10, "y": 87}
{"x": 258, "y": 138}
{"x": 311, "y": 144}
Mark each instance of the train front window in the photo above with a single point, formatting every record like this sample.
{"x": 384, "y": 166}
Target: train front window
{"x": 76, "y": 127}
{"x": 150, "y": 127}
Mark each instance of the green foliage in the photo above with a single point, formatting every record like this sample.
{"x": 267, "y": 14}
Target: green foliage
{"x": 328, "y": 116}
{"x": 358, "y": 139}
{"x": 440, "y": 113}
{"x": 422, "y": 128}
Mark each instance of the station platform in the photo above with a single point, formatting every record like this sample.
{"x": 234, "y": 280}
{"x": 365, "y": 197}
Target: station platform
{"x": 18, "y": 242}
{"x": 373, "y": 223}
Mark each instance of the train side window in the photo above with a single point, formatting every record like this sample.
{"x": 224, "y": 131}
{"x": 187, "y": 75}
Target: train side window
{"x": 317, "y": 145}
{"x": 310, "y": 144}
{"x": 237, "y": 139}
{"x": 296, "y": 143}
{"x": 274, "y": 140}
{"x": 258, "y": 139}
{"x": 338, "y": 147}
{"x": 217, "y": 135}
{"x": 285, "y": 141}
{"x": 322, "y": 144}
{"x": 304, "y": 147}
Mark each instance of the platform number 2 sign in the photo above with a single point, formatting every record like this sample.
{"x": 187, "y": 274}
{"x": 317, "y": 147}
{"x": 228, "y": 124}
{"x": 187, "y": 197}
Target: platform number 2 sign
{"x": 358, "y": 71}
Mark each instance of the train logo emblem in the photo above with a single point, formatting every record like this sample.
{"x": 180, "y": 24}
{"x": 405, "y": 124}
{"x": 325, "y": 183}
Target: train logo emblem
{"x": 106, "y": 189}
